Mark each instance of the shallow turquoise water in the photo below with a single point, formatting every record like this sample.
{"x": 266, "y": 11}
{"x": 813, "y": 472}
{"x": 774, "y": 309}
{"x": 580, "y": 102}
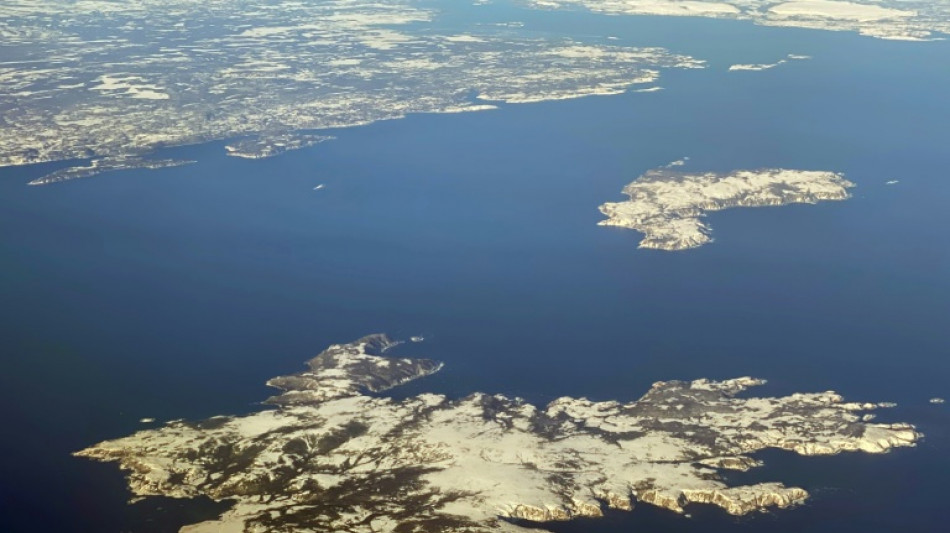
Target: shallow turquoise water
{"x": 177, "y": 293}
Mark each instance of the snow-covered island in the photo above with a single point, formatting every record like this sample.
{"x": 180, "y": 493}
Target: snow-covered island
{"x": 766, "y": 66}
{"x": 265, "y": 146}
{"x": 332, "y": 457}
{"x": 667, "y": 205}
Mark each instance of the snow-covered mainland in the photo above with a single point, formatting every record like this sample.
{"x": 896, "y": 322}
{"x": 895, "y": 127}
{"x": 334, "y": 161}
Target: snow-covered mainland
{"x": 180, "y": 72}
{"x": 907, "y": 20}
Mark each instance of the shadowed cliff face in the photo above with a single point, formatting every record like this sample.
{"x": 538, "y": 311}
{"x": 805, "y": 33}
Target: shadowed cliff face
{"x": 332, "y": 458}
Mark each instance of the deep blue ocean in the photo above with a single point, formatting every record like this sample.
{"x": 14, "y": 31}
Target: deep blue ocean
{"x": 176, "y": 293}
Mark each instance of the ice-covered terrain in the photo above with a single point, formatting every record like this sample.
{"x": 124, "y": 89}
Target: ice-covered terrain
{"x": 667, "y": 205}
{"x": 888, "y": 19}
{"x": 334, "y": 458}
{"x": 83, "y": 79}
